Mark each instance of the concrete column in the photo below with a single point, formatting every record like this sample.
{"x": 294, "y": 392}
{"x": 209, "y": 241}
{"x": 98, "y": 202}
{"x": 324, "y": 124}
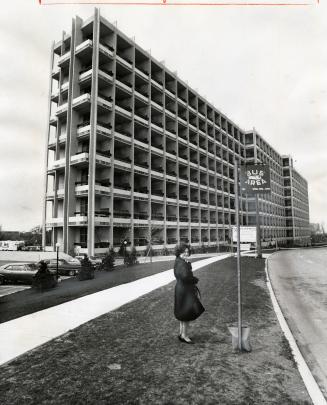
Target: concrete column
{"x": 93, "y": 141}
{"x": 112, "y": 147}
{"x": 72, "y": 131}
{"x": 67, "y": 185}
{"x": 46, "y": 155}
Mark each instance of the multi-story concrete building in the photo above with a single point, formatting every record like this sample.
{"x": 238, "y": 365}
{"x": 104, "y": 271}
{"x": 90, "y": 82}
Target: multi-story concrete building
{"x": 296, "y": 205}
{"x": 271, "y": 207}
{"x": 134, "y": 153}
{"x": 284, "y": 213}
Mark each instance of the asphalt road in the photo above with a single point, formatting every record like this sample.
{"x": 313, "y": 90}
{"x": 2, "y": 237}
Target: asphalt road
{"x": 299, "y": 279}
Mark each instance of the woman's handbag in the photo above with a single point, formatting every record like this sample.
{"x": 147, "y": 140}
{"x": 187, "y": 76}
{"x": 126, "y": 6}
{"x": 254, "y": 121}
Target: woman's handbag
{"x": 198, "y": 308}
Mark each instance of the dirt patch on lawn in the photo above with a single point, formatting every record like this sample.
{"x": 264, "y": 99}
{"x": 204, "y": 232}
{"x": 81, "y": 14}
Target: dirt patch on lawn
{"x": 132, "y": 355}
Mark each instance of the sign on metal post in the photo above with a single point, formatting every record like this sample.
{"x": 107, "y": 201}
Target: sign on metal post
{"x": 255, "y": 179}
{"x": 239, "y": 340}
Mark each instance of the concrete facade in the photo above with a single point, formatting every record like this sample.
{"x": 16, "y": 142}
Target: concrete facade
{"x": 133, "y": 153}
{"x": 296, "y": 205}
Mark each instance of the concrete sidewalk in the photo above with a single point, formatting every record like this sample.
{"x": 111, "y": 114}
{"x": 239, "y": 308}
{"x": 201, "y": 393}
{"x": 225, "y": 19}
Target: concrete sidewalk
{"x": 27, "y": 332}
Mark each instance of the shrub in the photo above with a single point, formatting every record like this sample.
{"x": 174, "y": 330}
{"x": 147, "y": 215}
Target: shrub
{"x": 87, "y": 271}
{"x": 108, "y": 262}
{"x": 44, "y": 281}
{"x": 130, "y": 258}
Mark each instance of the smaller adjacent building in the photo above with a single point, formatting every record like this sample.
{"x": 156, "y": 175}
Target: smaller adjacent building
{"x": 296, "y": 205}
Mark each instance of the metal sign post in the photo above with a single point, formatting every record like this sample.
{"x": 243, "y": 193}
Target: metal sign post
{"x": 239, "y": 279}
{"x": 257, "y": 220}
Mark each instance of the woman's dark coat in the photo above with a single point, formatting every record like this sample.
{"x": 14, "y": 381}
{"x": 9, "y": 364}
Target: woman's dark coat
{"x": 187, "y": 303}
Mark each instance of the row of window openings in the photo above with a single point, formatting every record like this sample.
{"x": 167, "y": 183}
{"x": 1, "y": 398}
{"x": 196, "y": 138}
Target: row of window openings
{"x": 157, "y": 119}
{"x": 171, "y": 146}
{"x": 122, "y": 180}
{"x": 204, "y": 109}
{"x": 122, "y": 152}
{"x": 159, "y": 216}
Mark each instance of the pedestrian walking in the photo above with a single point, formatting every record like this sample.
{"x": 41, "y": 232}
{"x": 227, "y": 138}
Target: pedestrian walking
{"x": 188, "y": 306}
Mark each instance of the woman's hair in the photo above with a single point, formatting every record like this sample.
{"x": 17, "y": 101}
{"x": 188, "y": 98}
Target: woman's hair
{"x": 181, "y": 249}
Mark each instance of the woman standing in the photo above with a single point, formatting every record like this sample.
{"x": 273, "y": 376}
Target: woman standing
{"x": 188, "y": 306}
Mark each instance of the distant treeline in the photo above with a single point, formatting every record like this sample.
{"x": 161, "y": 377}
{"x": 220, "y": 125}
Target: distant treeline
{"x": 31, "y": 238}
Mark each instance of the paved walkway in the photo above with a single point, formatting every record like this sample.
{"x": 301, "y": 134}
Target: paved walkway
{"x": 27, "y": 332}
{"x": 11, "y": 289}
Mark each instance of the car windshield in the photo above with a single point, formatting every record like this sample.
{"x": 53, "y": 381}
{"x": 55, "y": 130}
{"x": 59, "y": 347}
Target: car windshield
{"x": 33, "y": 266}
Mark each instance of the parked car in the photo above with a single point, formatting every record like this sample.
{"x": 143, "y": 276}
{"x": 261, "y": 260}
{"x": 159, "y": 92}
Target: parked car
{"x": 18, "y": 272}
{"x": 65, "y": 267}
{"x": 96, "y": 261}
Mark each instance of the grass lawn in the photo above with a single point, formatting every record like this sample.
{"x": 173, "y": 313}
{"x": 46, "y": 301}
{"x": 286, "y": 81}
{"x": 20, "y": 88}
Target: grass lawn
{"x": 132, "y": 355}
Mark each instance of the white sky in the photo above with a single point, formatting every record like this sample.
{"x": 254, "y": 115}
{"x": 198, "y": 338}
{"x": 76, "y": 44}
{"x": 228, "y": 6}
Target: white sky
{"x": 264, "y": 67}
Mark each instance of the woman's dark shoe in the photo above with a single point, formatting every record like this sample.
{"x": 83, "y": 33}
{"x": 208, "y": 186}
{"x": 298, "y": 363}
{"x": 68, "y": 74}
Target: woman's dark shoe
{"x": 185, "y": 341}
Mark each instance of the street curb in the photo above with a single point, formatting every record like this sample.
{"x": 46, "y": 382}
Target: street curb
{"x": 307, "y": 377}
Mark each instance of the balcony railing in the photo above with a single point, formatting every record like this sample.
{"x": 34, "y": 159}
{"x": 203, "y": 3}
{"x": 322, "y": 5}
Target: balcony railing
{"x": 140, "y": 241}
{"x": 142, "y": 115}
{"x": 83, "y": 245}
{"x": 81, "y": 213}
{"x": 157, "y": 241}
{"x": 105, "y": 153}
{"x": 102, "y": 213}
{"x": 159, "y": 217}
{"x": 106, "y": 49}
{"x": 143, "y": 190}
{"x": 83, "y": 124}
{"x": 124, "y": 186}
{"x": 111, "y": 48}
{"x": 101, "y": 245}
{"x": 105, "y": 97}
{"x": 158, "y": 192}
{"x": 142, "y": 164}
{"x": 86, "y": 69}
{"x": 105, "y": 124}
{"x": 122, "y": 213}
{"x": 141, "y": 215}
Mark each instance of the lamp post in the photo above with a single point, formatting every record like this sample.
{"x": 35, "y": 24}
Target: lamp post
{"x": 125, "y": 244}
{"x": 57, "y": 249}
